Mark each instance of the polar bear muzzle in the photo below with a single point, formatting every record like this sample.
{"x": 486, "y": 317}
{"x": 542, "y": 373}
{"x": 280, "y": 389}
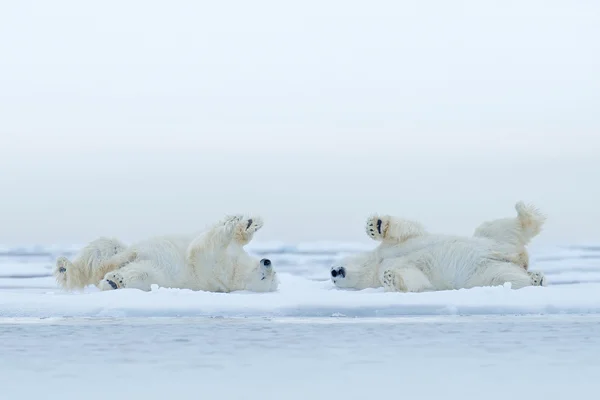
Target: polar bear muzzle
{"x": 341, "y": 272}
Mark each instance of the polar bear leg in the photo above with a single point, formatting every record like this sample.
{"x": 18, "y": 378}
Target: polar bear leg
{"x": 115, "y": 262}
{"x": 392, "y": 229}
{"x": 136, "y": 275}
{"x": 70, "y": 276}
{"x": 517, "y": 231}
{"x": 244, "y": 231}
{"x": 215, "y": 240}
{"x": 498, "y": 273}
{"x": 405, "y": 278}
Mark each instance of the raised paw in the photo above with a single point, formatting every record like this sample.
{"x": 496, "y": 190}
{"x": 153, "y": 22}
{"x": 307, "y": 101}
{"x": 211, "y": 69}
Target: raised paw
{"x": 112, "y": 281}
{"x": 537, "y": 278}
{"x": 231, "y": 222}
{"x": 251, "y": 225}
{"x": 376, "y": 227}
{"x": 246, "y": 227}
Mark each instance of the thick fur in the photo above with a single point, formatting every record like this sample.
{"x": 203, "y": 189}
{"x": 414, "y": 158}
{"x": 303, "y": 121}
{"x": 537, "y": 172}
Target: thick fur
{"x": 87, "y": 268}
{"x": 214, "y": 261}
{"x": 409, "y": 259}
{"x": 516, "y": 231}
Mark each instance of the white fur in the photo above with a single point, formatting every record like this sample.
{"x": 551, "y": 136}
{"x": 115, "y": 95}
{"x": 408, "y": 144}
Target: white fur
{"x": 409, "y": 259}
{"x": 213, "y": 261}
{"x": 86, "y": 267}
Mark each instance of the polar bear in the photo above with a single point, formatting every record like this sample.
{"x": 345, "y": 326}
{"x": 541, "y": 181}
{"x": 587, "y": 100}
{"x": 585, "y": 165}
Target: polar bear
{"x": 409, "y": 259}
{"x": 214, "y": 261}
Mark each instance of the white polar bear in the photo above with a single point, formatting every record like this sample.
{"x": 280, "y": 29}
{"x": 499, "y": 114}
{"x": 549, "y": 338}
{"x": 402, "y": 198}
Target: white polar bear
{"x": 409, "y": 259}
{"x": 214, "y": 261}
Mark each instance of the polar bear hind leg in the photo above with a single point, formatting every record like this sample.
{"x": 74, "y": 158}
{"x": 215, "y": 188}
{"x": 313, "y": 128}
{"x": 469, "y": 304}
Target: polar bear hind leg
{"x": 517, "y": 231}
{"x": 497, "y": 273}
{"x": 136, "y": 275}
{"x": 404, "y": 277}
{"x": 385, "y": 228}
{"x": 115, "y": 262}
{"x": 84, "y": 270}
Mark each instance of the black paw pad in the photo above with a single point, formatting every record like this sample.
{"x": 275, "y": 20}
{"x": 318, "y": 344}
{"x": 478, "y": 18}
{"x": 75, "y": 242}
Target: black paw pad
{"x": 379, "y": 222}
{"x": 249, "y": 223}
{"x": 112, "y": 284}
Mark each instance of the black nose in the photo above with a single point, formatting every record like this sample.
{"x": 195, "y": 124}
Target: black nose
{"x": 266, "y": 262}
{"x": 338, "y": 271}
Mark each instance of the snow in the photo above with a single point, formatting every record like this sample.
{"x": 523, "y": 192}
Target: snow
{"x": 306, "y": 340}
{"x": 28, "y": 290}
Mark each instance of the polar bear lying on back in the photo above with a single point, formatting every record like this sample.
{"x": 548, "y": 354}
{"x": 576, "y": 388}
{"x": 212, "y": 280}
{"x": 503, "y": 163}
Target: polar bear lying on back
{"x": 214, "y": 261}
{"x": 409, "y": 259}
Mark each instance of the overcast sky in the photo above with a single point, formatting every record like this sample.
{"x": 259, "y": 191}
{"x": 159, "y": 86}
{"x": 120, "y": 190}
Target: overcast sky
{"x": 135, "y": 118}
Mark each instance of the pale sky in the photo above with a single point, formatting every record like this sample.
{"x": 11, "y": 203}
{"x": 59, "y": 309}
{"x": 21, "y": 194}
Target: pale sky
{"x": 136, "y": 118}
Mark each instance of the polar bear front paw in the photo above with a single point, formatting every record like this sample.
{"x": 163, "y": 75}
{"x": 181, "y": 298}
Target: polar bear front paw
{"x": 376, "y": 227}
{"x": 537, "y": 278}
{"x": 246, "y": 227}
{"x": 230, "y": 222}
{"x": 112, "y": 281}
{"x": 250, "y": 225}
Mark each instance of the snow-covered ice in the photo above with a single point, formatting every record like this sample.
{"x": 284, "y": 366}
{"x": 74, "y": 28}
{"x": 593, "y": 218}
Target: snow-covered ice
{"x": 28, "y": 290}
{"x": 306, "y": 340}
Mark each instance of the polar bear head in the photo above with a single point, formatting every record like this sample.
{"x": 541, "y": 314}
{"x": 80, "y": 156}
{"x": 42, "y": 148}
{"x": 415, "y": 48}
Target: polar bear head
{"x": 250, "y": 273}
{"x": 263, "y": 277}
{"x": 355, "y": 272}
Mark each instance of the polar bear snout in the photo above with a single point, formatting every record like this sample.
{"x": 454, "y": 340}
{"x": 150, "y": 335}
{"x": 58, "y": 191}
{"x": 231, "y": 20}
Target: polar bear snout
{"x": 338, "y": 272}
{"x": 265, "y": 263}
